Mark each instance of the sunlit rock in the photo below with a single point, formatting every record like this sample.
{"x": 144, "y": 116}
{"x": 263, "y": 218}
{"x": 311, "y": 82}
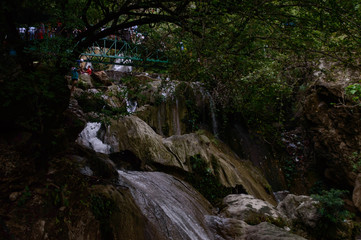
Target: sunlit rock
{"x": 133, "y": 134}
{"x": 250, "y": 209}
{"x": 300, "y": 210}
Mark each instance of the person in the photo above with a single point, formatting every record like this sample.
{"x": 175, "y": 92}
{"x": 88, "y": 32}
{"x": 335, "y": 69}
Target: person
{"x": 22, "y": 32}
{"x": 74, "y": 77}
{"x": 89, "y": 71}
{"x": 32, "y": 31}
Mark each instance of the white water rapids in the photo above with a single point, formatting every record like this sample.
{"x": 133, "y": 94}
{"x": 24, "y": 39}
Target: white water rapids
{"x": 89, "y": 138}
{"x": 122, "y": 68}
{"x": 169, "y": 203}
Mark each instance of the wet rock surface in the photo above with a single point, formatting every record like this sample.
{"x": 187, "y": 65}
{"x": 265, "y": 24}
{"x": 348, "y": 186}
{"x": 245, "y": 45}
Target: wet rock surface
{"x": 132, "y": 134}
{"x": 172, "y": 205}
{"x": 249, "y": 209}
{"x": 333, "y": 125}
{"x": 234, "y": 229}
{"x": 300, "y": 210}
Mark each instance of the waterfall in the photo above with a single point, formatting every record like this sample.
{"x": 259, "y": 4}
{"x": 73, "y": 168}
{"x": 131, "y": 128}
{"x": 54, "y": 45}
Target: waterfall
{"x": 131, "y": 105}
{"x": 122, "y": 68}
{"x": 168, "y": 90}
{"x": 171, "y": 204}
{"x": 176, "y": 124}
{"x": 207, "y": 96}
{"x": 159, "y": 120}
{"x": 88, "y": 138}
{"x": 213, "y": 115}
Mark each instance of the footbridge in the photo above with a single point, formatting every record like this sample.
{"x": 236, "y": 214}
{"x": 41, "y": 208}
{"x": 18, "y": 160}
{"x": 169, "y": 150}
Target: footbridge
{"x": 120, "y": 52}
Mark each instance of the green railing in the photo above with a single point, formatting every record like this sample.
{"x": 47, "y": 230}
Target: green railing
{"x": 112, "y": 51}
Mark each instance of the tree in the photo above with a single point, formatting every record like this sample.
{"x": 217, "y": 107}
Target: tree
{"x": 237, "y": 48}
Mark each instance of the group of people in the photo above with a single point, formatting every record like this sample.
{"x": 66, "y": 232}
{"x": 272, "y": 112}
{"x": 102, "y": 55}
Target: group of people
{"x": 48, "y": 31}
{"x": 76, "y": 71}
{"x": 39, "y": 32}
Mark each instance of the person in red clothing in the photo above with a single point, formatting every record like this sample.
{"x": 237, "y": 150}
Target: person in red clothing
{"x": 89, "y": 71}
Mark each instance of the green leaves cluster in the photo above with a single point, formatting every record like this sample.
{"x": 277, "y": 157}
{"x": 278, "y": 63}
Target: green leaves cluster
{"x": 333, "y": 214}
{"x": 355, "y": 160}
{"x": 354, "y": 91}
{"x": 331, "y": 207}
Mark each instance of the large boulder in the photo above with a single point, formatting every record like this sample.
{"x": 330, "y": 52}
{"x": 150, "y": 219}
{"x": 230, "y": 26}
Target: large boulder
{"x": 125, "y": 219}
{"x": 268, "y": 231}
{"x": 356, "y": 195}
{"x": 250, "y": 209}
{"x": 132, "y": 134}
{"x": 85, "y": 81}
{"x": 115, "y": 96}
{"x": 300, "y": 210}
{"x": 333, "y": 124}
{"x": 101, "y": 77}
{"x": 234, "y": 229}
{"x": 175, "y": 108}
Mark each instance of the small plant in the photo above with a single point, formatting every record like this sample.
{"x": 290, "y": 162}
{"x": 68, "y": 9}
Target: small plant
{"x": 289, "y": 169}
{"x": 354, "y": 91}
{"x": 332, "y": 206}
{"x": 59, "y": 196}
{"x": 355, "y": 160}
{"x": 333, "y": 215}
{"x": 192, "y": 120}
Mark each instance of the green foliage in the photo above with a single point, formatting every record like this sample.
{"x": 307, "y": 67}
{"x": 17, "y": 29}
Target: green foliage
{"x": 354, "y": 92}
{"x": 192, "y": 120}
{"x": 355, "y": 160}
{"x": 135, "y": 88}
{"x": 332, "y": 224}
{"x": 318, "y": 187}
{"x": 331, "y": 207}
{"x": 289, "y": 169}
{"x": 90, "y": 102}
{"x": 58, "y": 196}
{"x": 203, "y": 179}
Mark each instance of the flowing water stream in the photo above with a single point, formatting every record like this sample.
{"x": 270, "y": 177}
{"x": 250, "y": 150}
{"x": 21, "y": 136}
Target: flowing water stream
{"x": 169, "y": 203}
{"x": 89, "y": 138}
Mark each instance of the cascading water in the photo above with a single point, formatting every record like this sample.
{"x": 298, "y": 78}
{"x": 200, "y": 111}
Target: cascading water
{"x": 159, "y": 120}
{"x": 207, "y": 96}
{"x": 122, "y": 68}
{"x": 131, "y": 105}
{"x": 172, "y": 205}
{"x": 168, "y": 90}
{"x": 176, "y": 124}
{"x": 213, "y": 115}
{"x": 88, "y": 138}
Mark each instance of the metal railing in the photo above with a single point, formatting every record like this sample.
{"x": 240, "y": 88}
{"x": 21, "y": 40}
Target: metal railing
{"x": 113, "y": 51}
